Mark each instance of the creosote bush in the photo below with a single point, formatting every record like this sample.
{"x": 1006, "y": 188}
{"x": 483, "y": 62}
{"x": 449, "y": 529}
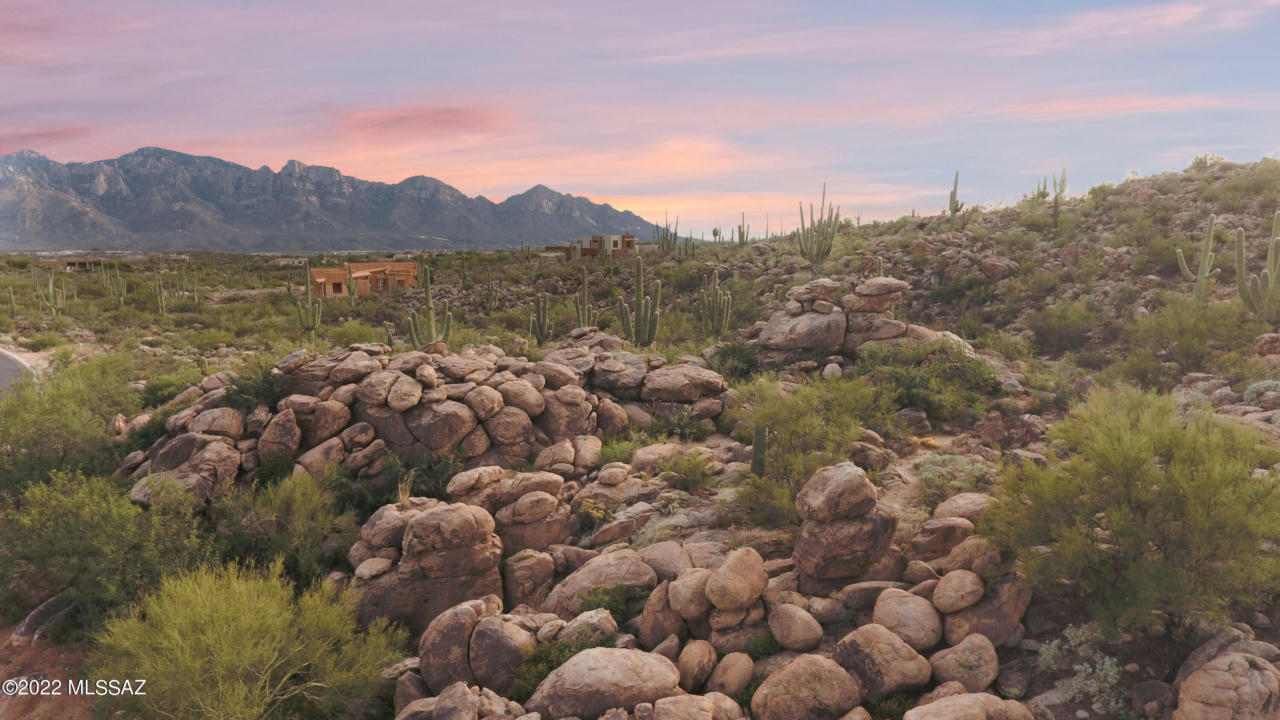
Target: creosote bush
{"x": 1148, "y": 511}
{"x": 615, "y": 599}
{"x": 548, "y": 656}
{"x": 234, "y": 643}
{"x": 937, "y": 377}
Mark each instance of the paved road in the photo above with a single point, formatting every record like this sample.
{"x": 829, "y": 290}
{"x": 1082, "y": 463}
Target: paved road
{"x": 10, "y": 369}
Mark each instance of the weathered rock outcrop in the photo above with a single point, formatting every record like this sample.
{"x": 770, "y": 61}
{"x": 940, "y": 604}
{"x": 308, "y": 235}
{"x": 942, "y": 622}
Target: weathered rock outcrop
{"x": 844, "y": 531}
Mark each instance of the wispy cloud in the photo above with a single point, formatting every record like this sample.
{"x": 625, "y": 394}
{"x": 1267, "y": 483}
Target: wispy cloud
{"x": 1160, "y": 21}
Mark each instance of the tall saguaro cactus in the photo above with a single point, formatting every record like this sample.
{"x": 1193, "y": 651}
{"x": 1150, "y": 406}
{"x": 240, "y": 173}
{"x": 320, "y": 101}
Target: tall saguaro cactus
{"x": 51, "y": 297}
{"x": 540, "y": 320}
{"x": 744, "y": 230}
{"x": 641, "y": 325}
{"x": 586, "y": 315}
{"x": 953, "y": 203}
{"x": 1205, "y": 273}
{"x": 818, "y": 237}
{"x": 1261, "y": 293}
{"x": 351, "y": 286}
{"x": 1059, "y": 194}
{"x": 419, "y": 335}
{"x": 714, "y": 307}
{"x": 310, "y": 309}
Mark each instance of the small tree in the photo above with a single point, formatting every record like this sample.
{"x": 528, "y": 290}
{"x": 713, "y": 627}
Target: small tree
{"x": 232, "y": 643}
{"x": 1149, "y": 511}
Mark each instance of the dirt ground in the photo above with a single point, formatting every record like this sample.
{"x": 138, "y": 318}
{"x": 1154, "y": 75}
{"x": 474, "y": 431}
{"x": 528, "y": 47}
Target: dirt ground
{"x": 44, "y": 660}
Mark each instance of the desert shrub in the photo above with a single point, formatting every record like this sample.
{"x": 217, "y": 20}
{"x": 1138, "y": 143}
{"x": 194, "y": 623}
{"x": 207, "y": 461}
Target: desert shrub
{"x": 766, "y": 502}
{"x": 1188, "y": 333}
{"x": 942, "y": 476}
{"x": 763, "y": 646}
{"x": 82, "y": 536}
{"x": 63, "y": 422}
{"x": 229, "y": 642}
{"x": 1094, "y": 673}
{"x": 620, "y": 448}
{"x": 548, "y": 656}
{"x": 593, "y": 513}
{"x": 256, "y": 385}
{"x": 615, "y": 599}
{"x": 736, "y": 360}
{"x": 1254, "y": 392}
{"x": 297, "y": 520}
{"x": 42, "y": 341}
{"x": 683, "y": 425}
{"x": 1037, "y": 222}
{"x": 689, "y": 470}
{"x": 161, "y": 388}
{"x": 1062, "y": 327}
{"x": 888, "y": 707}
{"x": 1147, "y": 512}
{"x": 938, "y": 377}
{"x": 354, "y": 331}
{"x": 811, "y": 426}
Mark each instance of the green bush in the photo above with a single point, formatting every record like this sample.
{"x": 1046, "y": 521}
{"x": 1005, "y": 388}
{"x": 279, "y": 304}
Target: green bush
{"x": 1062, "y": 327}
{"x": 296, "y": 520}
{"x": 942, "y": 476}
{"x": 81, "y": 535}
{"x": 736, "y": 360}
{"x": 548, "y": 656}
{"x": 621, "y": 448}
{"x": 765, "y": 502}
{"x": 161, "y": 388}
{"x": 43, "y": 341}
{"x": 231, "y": 643}
{"x": 615, "y": 599}
{"x": 763, "y": 646}
{"x": 938, "y": 377}
{"x": 256, "y": 385}
{"x": 813, "y": 425}
{"x": 1148, "y": 512}
{"x": 1188, "y": 334}
{"x": 63, "y": 422}
{"x": 688, "y": 470}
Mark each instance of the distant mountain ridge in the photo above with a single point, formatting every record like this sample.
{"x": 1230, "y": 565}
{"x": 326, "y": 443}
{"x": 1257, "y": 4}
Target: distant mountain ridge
{"x": 157, "y": 199}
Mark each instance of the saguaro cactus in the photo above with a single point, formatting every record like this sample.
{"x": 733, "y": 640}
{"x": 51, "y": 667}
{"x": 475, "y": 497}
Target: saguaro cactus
{"x": 586, "y": 315}
{"x": 419, "y": 335}
{"x": 51, "y": 297}
{"x": 953, "y": 204}
{"x": 310, "y": 309}
{"x": 744, "y": 230}
{"x": 641, "y": 325}
{"x": 351, "y": 286}
{"x": 540, "y": 320}
{"x": 1059, "y": 194}
{"x": 818, "y": 237}
{"x": 1260, "y": 292}
{"x": 1203, "y": 276}
{"x": 714, "y": 307}
{"x": 759, "y": 447}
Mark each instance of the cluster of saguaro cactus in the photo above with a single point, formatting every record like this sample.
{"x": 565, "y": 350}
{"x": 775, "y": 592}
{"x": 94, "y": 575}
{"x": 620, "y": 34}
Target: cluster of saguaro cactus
{"x": 667, "y": 236}
{"x": 540, "y": 320}
{"x": 586, "y": 315}
{"x": 954, "y": 206}
{"x": 162, "y": 295}
{"x": 818, "y": 237}
{"x": 1203, "y": 276}
{"x": 53, "y": 298}
{"x": 1059, "y": 194}
{"x": 1042, "y": 189}
{"x": 309, "y": 310}
{"x": 714, "y": 307}
{"x": 464, "y": 273}
{"x": 116, "y": 286}
{"x": 744, "y": 230}
{"x": 424, "y": 334}
{"x": 1260, "y": 293}
{"x": 687, "y": 248}
{"x": 641, "y": 324}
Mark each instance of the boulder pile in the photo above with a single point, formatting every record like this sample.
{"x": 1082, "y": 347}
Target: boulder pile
{"x": 477, "y": 406}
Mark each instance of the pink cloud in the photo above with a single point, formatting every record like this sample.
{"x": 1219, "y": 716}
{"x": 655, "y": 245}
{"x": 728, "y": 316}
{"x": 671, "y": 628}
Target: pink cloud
{"x": 401, "y": 123}
{"x": 1153, "y": 21}
{"x": 12, "y": 140}
{"x": 1089, "y": 107}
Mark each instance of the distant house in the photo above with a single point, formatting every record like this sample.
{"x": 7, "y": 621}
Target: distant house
{"x": 81, "y": 264}
{"x": 288, "y": 262}
{"x": 595, "y": 246}
{"x": 369, "y": 278}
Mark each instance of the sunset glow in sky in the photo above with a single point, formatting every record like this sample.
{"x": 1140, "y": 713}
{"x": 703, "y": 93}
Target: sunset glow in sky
{"x": 700, "y": 110}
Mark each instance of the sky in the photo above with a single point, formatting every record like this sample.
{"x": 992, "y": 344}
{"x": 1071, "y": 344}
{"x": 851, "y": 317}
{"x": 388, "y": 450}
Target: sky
{"x": 697, "y": 111}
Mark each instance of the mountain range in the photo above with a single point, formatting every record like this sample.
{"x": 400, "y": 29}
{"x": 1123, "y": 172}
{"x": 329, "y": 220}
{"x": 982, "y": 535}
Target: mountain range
{"x": 157, "y": 199}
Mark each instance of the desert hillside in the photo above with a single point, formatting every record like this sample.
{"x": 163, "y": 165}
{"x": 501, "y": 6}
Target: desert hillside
{"x": 990, "y": 462}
